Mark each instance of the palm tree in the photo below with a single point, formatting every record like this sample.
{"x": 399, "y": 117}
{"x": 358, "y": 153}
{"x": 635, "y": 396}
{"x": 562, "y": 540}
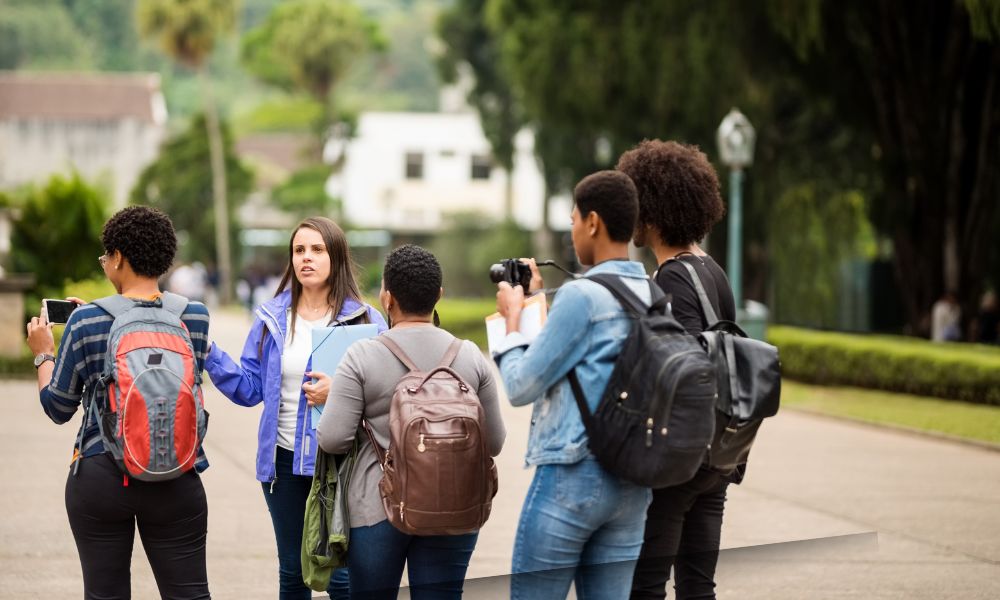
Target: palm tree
{"x": 186, "y": 31}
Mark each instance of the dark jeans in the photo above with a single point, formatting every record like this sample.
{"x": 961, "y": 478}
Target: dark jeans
{"x": 436, "y": 564}
{"x": 172, "y": 517}
{"x": 683, "y": 530}
{"x": 286, "y": 501}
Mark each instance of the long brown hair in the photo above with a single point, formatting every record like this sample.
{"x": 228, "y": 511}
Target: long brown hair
{"x": 342, "y": 281}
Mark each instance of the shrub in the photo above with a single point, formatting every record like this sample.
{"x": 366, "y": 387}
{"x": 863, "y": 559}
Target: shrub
{"x": 914, "y": 366}
{"x": 58, "y": 233}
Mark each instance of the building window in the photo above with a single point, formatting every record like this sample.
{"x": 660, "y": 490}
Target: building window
{"x": 414, "y": 165}
{"x": 481, "y": 166}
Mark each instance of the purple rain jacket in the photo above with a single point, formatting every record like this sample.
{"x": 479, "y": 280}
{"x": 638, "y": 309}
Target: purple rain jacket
{"x": 257, "y": 378}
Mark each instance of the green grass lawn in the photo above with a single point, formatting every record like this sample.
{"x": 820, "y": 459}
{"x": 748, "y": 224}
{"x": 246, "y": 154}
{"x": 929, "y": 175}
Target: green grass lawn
{"x": 950, "y": 417}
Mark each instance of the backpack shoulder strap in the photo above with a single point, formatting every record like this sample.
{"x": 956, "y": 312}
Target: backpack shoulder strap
{"x": 397, "y": 352}
{"x": 706, "y": 306}
{"x": 116, "y": 305}
{"x": 451, "y": 353}
{"x": 174, "y": 303}
{"x": 627, "y": 297}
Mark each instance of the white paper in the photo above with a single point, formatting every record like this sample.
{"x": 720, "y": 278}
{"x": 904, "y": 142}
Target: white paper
{"x": 532, "y": 319}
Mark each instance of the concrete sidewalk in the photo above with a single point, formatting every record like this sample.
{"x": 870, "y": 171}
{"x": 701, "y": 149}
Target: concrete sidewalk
{"x": 828, "y": 510}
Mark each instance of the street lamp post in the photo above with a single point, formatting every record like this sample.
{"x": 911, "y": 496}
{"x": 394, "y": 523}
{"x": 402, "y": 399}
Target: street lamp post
{"x": 736, "y": 137}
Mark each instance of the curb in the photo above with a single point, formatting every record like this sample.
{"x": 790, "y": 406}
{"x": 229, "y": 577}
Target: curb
{"x": 937, "y": 435}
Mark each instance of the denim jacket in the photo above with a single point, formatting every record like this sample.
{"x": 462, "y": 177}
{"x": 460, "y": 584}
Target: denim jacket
{"x": 585, "y": 330}
{"x": 257, "y": 378}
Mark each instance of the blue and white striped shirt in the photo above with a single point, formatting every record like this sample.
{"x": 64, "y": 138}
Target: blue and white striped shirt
{"x": 80, "y": 362}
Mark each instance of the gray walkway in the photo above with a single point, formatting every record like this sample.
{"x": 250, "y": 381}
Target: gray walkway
{"x": 828, "y": 510}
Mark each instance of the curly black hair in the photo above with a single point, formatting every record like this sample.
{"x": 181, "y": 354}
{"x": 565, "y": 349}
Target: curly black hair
{"x": 413, "y": 276}
{"x": 678, "y": 190}
{"x": 145, "y": 237}
{"x": 613, "y": 196}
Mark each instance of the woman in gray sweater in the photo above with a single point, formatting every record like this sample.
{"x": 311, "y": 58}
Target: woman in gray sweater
{"x": 363, "y": 387}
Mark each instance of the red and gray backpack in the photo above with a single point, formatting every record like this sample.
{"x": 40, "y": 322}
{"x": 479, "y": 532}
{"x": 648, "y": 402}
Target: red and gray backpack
{"x": 148, "y": 401}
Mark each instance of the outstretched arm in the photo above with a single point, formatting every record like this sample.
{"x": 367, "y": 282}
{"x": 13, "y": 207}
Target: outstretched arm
{"x": 241, "y": 382}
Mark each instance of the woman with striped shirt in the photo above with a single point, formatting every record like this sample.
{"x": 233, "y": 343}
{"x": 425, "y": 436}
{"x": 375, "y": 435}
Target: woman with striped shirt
{"x": 105, "y": 507}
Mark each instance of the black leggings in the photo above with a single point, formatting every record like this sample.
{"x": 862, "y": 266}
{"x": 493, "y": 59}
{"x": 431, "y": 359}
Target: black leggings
{"x": 172, "y": 517}
{"x": 683, "y": 531}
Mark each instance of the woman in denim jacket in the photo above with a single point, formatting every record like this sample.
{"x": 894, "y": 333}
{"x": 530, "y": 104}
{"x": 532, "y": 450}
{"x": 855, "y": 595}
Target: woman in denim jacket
{"x": 318, "y": 288}
{"x": 579, "y": 523}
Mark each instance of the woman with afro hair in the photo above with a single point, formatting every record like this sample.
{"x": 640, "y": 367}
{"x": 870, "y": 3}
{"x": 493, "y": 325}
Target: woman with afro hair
{"x": 105, "y": 507}
{"x": 679, "y": 203}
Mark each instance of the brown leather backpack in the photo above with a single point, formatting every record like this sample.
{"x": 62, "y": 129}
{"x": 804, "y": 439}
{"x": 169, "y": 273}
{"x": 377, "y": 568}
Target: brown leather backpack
{"x": 438, "y": 476}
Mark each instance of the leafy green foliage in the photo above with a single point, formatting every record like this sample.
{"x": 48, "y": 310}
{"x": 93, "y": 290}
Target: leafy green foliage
{"x": 57, "y": 236}
{"x": 186, "y": 30}
{"x": 899, "y": 364}
{"x": 469, "y": 41}
{"x": 304, "y": 193}
{"x": 40, "y": 34}
{"x": 293, "y": 113}
{"x": 309, "y": 45}
{"x": 822, "y": 233}
{"x": 179, "y": 183}
{"x": 921, "y": 79}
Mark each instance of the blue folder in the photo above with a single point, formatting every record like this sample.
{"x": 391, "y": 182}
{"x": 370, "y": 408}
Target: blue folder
{"x": 329, "y": 346}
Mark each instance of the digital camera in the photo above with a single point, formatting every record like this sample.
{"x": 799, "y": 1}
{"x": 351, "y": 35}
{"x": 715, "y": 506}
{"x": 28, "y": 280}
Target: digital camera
{"x": 513, "y": 271}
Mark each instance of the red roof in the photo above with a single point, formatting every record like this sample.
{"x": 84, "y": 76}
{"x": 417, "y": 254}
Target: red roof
{"x": 81, "y": 96}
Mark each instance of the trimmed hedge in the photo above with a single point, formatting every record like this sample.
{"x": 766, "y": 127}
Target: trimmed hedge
{"x": 965, "y": 372}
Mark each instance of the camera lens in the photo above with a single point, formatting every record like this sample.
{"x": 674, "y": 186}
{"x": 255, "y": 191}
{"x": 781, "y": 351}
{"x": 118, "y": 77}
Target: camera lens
{"x": 497, "y": 273}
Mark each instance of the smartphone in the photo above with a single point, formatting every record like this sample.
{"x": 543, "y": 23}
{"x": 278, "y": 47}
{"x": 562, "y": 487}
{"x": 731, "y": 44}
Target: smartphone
{"x": 58, "y": 311}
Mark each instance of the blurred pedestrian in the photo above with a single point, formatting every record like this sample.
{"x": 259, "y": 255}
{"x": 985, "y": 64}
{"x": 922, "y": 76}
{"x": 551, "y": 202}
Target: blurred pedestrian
{"x": 946, "y": 319}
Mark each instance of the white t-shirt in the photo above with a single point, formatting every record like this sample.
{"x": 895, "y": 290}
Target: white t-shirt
{"x": 294, "y": 359}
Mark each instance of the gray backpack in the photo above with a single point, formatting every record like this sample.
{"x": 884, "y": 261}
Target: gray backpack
{"x": 148, "y": 400}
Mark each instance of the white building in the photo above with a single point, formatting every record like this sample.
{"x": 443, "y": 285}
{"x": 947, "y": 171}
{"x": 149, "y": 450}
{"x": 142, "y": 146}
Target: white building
{"x": 405, "y": 172}
{"x": 105, "y": 125}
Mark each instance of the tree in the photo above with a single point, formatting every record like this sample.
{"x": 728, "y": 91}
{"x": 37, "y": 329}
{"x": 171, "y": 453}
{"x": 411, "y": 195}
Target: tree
{"x": 897, "y": 101}
{"x": 57, "y": 235}
{"x": 304, "y": 193}
{"x": 469, "y": 41}
{"x": 187, "y": 31}
{"x": 925, "y": 79}
{"x": 39, "y": 34}
{"x": 180, "y": 183}
{"x": 309, "y": 45}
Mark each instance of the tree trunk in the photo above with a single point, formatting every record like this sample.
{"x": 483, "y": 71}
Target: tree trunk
{"x": 219, "y": 189}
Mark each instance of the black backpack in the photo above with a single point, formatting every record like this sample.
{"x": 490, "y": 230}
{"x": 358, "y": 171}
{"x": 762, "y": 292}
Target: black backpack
{"x": 655, "y": 419}
{"x": 749, "y": 382}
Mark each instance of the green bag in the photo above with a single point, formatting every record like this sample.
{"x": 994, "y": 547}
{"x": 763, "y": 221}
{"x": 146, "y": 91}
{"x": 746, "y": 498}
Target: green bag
{"x": 327, "y": 524}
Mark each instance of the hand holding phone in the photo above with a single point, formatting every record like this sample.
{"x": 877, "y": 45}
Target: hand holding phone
{"x": 57, "y": 311}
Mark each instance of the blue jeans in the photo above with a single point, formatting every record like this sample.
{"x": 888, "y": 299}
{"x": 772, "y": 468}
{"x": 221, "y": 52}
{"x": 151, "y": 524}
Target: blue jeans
{"x": 436, "y": 564}
{"x": 578, "y": 524}
{"x": 286, "y": 501}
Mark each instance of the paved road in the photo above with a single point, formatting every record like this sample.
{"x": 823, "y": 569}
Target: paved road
{"x": 828, "y": 510}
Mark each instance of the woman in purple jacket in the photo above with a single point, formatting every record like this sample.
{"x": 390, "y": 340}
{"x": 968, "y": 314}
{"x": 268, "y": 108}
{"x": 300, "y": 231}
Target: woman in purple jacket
{"x": 318, "y": 288}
